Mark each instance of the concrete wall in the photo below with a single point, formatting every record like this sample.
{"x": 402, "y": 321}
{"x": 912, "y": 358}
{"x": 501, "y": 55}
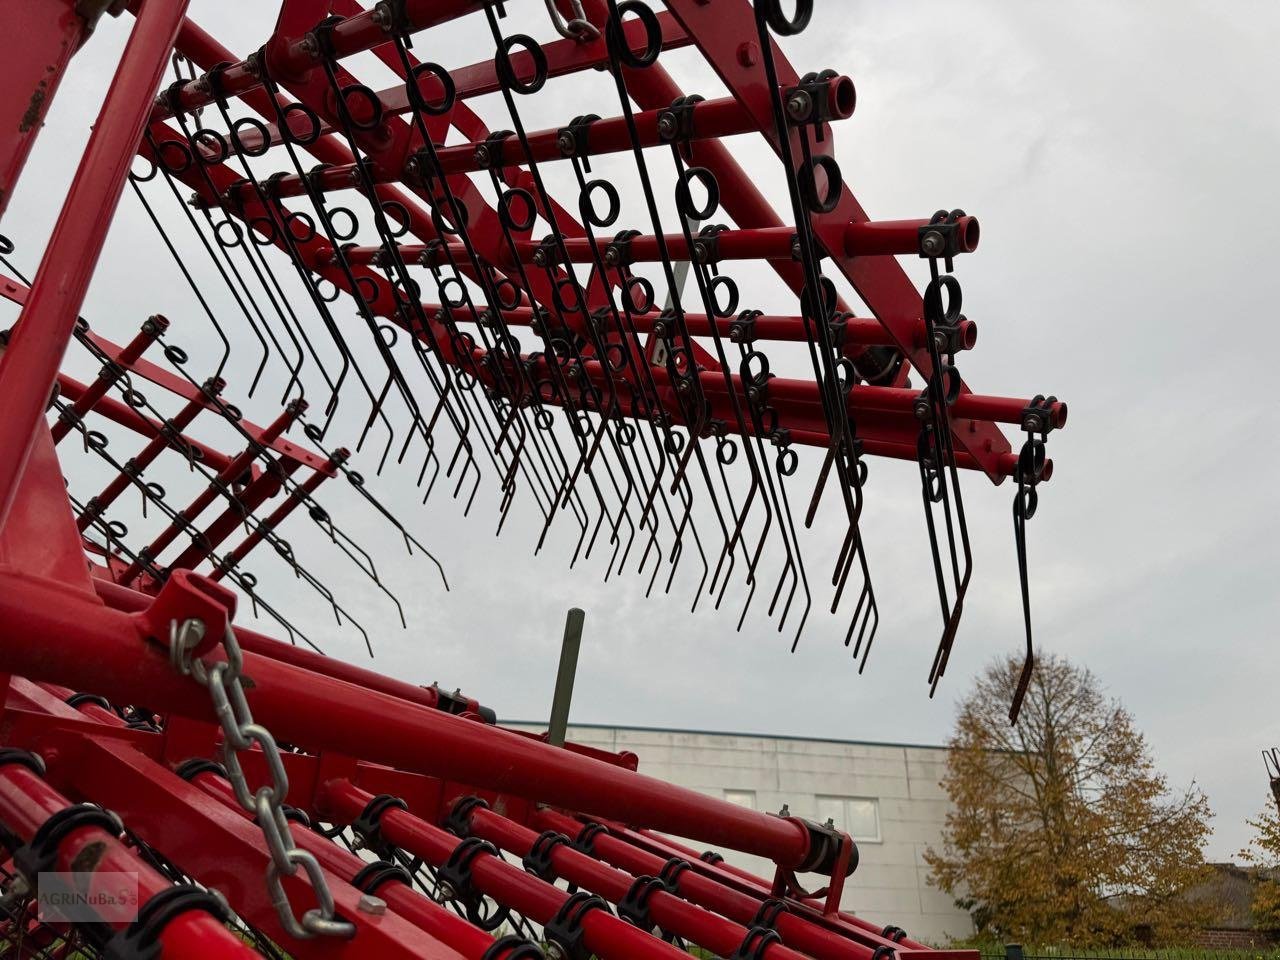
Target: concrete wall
{"x": 811, "y": 776}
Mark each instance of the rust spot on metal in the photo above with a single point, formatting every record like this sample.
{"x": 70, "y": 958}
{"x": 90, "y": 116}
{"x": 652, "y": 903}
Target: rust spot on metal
{"x": 35, "y": 107}
{"x": 86, "y": 861}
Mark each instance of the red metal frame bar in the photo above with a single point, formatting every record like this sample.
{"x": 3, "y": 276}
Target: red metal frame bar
{"x": 26, "y": 802}
{"x": 30, "y": 364}
{"x": 101, "y": 652}
{"x": 51, "y": 31}
{"x": 605, "y": 935}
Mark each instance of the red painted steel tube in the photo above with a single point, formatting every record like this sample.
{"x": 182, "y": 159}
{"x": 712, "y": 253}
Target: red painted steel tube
{"x": 604, "y": 934}
{"x": 756, "y": 243}
{"x": 231, "y": 473}
{"x": 123, "y": 598}
{"x": 665, "y": 846}
{"x": 17, "y": 293}
{"x": 707, "y": 892}
{"x": 126, "y": 416}
{"x": 143, "y": 459}
{"x": 672, "y": 914}
{"x": 433, "y": 919}
{"x": 862, "y": 399}
{"x": 47, "y": 33}
{"x": 868, "y": 238}
{"x": 26, "y": 802}
{"x": 563, "y": 57}
{"x": 262, "y": 488}
{"x": 295, "y": 497}
{"x": 95, "y": 391}
{"x": 351, "y": 36}
{"x": 223, "y": 850}
{"x": 859, "y": 331}
{"x": 29, "y": 367}
{"x": 714, "y": 119}
{"x": 99, "y": 650}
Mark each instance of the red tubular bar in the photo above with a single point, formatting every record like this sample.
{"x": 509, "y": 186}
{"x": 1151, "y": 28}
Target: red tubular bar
{"x": 100, "y": 651}
{"x": 91, "y": 394}
{"x": 126, "y": 416}
{"x": 431, "y": 918}
{"x": 50, "y": 31}
{"x": 131, "y": 601}
{"x": 29, "y": 367}
{"x": 604, "y": 934}
{"x": 233, "y": 471}
{"x": 563, "y": 57}
{"x": 259, "y": 490}
{"x": 224, "y": 850}
{"x": 295, "y": 497}
{"x": 26, "y": 802}
{"x": 859, "y": 331}
{"x": 757, "y": 243}
{"x": 716, "y": 118}
{"x": 665, "y": 846}
{"x": 696, "y": 888}
{"x": 672, "y": 914}
{"x": 351, "y": 36}
{"x": 145, "y": 457}
{"x": 862, "y": 399}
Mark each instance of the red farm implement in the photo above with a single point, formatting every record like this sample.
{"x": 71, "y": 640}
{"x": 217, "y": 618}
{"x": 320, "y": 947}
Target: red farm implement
{"x": 363, "y": 265}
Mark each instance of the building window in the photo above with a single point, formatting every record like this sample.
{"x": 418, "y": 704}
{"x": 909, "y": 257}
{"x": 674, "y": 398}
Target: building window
{"x": 741, "y": 798}
{"x": 857, "y": 816}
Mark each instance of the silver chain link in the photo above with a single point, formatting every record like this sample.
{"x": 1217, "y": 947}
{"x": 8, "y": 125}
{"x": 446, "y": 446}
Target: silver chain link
{"x": 579, "y": 28}
{"x": 240, "y": 733}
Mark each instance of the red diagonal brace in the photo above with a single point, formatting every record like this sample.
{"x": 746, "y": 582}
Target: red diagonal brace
{"x": 169, "y": 435}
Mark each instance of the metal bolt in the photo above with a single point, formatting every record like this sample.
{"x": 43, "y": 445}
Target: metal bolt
{"x": 699, "y": 252}
{"x": 554, "y": 951}
{"x": 798, "y": 105}
{"x": 370, "y": 904}
{"x": 310, "y": 45}
{"x": 382, "y": 16}
{"x": 795, "y": 250}
{"x": 540, "y": 258}
{"x": 482, "y": 156}
{"x": 566, "y": 143}
{"x": 446, "y": 891}
{"x": 611, "y": 256}
{"x": 932, "y": 244}
{"x": 748, "y": 54}
{"x": 667, "y": 126}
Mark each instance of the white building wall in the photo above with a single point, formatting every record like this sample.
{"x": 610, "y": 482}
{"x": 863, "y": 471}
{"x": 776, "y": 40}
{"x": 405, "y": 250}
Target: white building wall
{"x": 890, "y": 885}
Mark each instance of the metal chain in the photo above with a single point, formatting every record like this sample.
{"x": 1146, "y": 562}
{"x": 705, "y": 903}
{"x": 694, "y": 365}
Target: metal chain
{"x": 240, "y": 733}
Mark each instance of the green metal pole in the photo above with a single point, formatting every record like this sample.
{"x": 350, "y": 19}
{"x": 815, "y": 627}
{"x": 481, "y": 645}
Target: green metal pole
{"x": 564, "y": 676}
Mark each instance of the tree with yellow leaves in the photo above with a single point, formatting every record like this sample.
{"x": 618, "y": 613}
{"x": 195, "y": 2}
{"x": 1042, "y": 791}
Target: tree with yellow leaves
{"x": 1061, "y": 829}
{"x": 1263, "y": 852}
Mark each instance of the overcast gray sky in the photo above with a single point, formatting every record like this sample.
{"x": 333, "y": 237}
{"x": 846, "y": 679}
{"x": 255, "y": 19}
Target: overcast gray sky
{"x": 1122, "y": 160}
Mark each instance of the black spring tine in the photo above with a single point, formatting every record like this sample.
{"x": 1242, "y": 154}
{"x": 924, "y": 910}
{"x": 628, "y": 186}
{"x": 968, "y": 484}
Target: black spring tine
{"x": 99, "y": 446}
{"x": 237, "y": 233}
{"x": 1036, "y": 419}
{"x": 181, "y": 264}
{"x": 817, "y": 305}
{"x": 479, "y": 269}
{"x": 356, "y": 479}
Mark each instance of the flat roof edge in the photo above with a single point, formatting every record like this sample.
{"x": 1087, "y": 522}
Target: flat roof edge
{"x": 729, "y": 733}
